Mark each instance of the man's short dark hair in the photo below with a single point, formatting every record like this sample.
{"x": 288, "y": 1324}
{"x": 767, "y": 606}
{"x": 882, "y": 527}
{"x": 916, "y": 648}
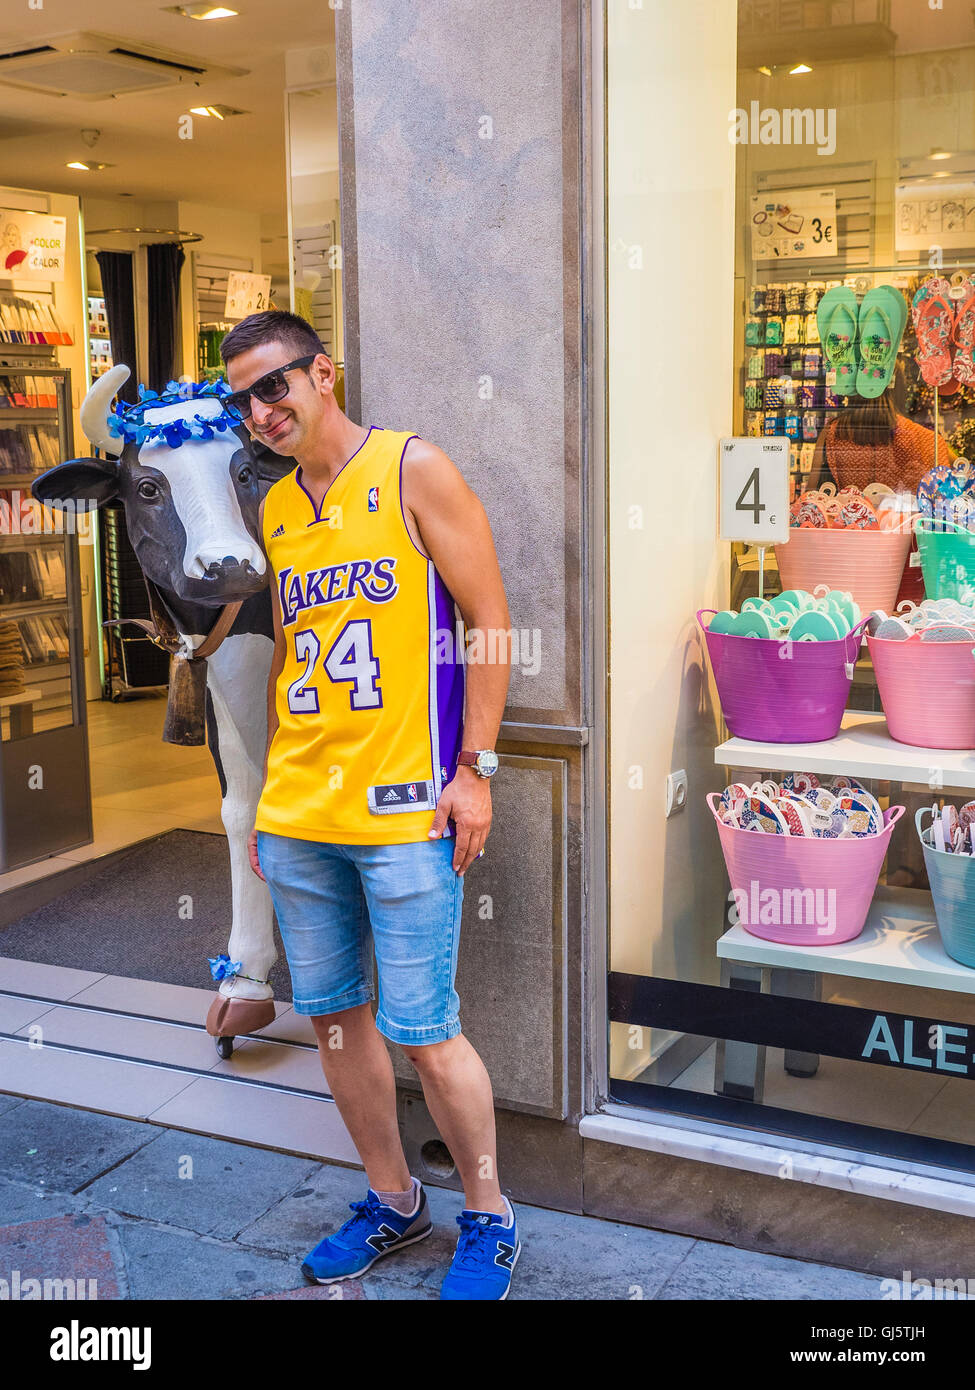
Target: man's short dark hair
{"x": 294, "y": 333}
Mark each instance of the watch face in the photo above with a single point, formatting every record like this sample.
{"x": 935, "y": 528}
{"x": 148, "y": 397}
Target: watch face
{"x": 487, "y": 764}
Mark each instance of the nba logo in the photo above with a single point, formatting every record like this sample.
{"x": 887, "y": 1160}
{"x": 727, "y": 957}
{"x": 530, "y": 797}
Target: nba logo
{"x": 411, "y": 791}
{"x": 374, "y": 499}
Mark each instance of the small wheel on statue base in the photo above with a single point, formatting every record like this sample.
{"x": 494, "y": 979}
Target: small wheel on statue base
{"x": 225, "y": 1046}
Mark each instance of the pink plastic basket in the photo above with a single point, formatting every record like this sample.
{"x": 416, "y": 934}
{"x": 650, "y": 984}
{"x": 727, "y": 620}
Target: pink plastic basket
{"x": 867, "y": 564}
{"x": 776, "y": 691}
{"x": 927, "y": 690}
{"x": 827, "y": 885}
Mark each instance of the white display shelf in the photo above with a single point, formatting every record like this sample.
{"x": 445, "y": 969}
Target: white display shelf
{"x": 900, "y": 942}
{"x": 862, "y": 748}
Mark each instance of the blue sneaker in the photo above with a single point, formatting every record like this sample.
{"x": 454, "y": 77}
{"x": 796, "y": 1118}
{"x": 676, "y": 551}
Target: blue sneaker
{"x": 487, "y": 1252}
{"x": 373, "y": 1231}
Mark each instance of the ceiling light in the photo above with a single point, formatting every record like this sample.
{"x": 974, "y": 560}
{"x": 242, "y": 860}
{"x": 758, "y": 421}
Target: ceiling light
{"x": 220, "y": 110}
{"x": 766, "y": 71}
{"x": 89, "y": 165}
{"x": 937, "y": 153}
{"x": 202, "y": 11}
{"x": 799, "y": 67}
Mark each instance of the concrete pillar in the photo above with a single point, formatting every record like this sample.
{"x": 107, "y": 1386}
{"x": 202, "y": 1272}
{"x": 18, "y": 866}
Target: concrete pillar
{"x": 461, "y": 241}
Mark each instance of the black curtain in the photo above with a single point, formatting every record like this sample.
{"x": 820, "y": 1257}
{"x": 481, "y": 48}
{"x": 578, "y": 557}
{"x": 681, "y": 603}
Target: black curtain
{"x": 119, "y": 295}
{"x": 164, "y": 261}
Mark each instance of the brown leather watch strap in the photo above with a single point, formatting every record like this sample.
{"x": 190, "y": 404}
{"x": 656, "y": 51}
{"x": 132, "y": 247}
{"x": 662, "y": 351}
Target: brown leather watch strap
{"x": 466, "y": 759}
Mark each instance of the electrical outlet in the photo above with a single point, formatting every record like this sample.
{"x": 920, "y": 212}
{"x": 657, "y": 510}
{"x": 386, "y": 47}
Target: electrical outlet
{"x": 676, "y": 792}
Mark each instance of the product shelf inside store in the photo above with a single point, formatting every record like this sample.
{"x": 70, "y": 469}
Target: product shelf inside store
{"x": 28, "y": 540}
{"x": 28, "y": 610}
{"x": 900, "y": 942}
{"x": 862, "y": 748}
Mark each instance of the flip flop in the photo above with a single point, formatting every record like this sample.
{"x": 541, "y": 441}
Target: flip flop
{"x": 964, "y": 335}
{"x": 934, "y": 318}
{"x": 882, "y": 319}
{"x": 837, "y": 321}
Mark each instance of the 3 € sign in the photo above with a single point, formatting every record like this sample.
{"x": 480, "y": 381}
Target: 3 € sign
{"x": 754, "y": 490}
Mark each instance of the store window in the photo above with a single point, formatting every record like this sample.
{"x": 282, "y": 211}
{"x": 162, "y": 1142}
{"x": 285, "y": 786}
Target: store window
{"x": 800, "y": 956}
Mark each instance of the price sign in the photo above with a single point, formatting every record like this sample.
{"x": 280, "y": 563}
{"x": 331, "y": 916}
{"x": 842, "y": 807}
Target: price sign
{"x": 754, "y": 490}
{"x": 246, "y": 294}
{"x": 793, "y": 224}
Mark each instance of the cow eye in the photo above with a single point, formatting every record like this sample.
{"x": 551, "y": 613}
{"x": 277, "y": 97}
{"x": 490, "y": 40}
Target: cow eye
{"x": 245, "y": 475}
{"x": 148, "y": 490}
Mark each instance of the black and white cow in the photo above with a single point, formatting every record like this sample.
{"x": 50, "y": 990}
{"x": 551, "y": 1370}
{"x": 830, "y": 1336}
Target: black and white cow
{"x": 192, "y": 517}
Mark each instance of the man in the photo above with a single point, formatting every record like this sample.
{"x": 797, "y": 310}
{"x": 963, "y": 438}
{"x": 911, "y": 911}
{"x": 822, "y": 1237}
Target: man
{"x": 376, "y": 795}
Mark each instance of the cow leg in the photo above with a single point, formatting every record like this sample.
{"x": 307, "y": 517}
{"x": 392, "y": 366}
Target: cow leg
{"x": 238, "y": 727}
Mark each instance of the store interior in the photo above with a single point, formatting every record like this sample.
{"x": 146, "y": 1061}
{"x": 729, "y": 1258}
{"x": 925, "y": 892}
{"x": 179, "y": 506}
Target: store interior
{"x": 180, "y": 148}
{"x": 883, "y": 196}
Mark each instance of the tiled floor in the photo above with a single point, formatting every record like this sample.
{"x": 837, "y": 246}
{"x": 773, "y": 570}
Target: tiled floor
{"x": 99, "y": 1042}
{"x": 140, "y": 785}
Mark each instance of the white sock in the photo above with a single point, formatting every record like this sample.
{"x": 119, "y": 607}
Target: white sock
{"x": 406, "y": 1203}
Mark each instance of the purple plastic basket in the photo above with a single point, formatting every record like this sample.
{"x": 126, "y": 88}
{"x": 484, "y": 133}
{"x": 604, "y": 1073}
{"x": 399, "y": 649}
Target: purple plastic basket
{"x": 776, "y": 691}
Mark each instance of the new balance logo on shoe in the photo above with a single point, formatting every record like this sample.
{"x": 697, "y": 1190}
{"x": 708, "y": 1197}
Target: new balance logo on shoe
{"x": 382, "y": 1239}
{"x": 278, "y": 531}
{"x": 505, "y": 1255}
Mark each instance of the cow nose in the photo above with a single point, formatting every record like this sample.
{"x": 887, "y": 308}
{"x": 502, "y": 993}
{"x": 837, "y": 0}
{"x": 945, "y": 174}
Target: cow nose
{"x": 219, "y": 566}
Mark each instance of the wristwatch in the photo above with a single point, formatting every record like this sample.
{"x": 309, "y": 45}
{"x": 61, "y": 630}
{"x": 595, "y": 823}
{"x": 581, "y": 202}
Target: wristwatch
{"x": 484, "y": 761}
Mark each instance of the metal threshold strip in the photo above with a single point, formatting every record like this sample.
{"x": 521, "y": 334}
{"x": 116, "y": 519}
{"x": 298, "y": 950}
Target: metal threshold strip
{"x": 144, "y": 1018}
{"x": 174, "y": 1066}
{"x": 155, "y": 1064}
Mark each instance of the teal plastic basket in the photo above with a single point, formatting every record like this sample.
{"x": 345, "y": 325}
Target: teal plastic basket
{"x": 947, "y": 559}
{"x": 952, "y": 878}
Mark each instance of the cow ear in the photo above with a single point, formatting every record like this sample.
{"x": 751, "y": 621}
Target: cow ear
{"x": 271, "y": 467}
{"x": 95, "y": 481}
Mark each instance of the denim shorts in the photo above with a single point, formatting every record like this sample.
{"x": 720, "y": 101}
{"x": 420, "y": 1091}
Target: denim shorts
{"x": 335, "y": 903}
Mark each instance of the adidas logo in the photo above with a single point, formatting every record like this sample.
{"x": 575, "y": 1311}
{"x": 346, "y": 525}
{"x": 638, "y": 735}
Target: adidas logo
{"x": 391, "y": 795}
{"x": 278, "y": 531}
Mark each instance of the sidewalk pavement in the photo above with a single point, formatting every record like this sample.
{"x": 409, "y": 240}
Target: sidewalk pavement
{"x": 150, "y": 1212}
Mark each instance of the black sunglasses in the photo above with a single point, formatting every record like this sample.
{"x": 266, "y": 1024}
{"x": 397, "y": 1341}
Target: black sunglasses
{"x": 271, "y": 387}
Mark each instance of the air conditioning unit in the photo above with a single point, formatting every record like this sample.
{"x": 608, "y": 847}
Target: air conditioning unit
{"x": 94, "y": 67}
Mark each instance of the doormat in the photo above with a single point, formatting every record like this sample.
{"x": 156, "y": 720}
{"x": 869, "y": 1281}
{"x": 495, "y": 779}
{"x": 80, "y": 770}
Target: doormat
{"x": 156, "y": 915}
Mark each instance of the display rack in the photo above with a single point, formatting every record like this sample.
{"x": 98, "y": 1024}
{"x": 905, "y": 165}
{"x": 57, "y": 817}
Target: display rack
{"x": 42, "y": 704}
{"x": 900, "y": 941}
{"x": 99, "y": 342}
{"x": 134, "y": 662}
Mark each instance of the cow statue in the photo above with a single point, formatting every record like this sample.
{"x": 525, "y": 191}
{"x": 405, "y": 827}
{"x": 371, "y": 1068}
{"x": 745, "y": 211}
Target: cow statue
{"x": 191, "y": 481}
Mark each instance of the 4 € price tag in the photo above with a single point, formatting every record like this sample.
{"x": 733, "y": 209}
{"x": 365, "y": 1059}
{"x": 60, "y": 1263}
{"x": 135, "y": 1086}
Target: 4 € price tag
{"x": 754, "y": 490}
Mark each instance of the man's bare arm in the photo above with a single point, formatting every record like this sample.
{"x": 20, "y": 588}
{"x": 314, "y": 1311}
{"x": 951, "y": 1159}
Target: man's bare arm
{"x": 449, "y": 523}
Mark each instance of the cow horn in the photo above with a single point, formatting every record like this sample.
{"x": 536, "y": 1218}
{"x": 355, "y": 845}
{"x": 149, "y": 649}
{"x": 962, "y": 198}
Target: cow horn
{"x": 95, "y": 409}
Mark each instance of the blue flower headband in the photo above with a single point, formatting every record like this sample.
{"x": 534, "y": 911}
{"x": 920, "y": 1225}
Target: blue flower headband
{"x": 127, "y": 423}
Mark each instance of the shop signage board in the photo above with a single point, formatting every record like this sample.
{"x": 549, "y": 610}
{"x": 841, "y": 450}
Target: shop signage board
{"x": 754, "y": 490}
{"x": 793, "y": 224}
{"x": 33, "y": 245}
{"x": 246, "y": 294}
{"x": 933, "y": 212}
{"x": 888, "y": 1039}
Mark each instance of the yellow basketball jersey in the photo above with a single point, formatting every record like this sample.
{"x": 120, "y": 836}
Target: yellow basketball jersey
{"x": 370, "y": 700}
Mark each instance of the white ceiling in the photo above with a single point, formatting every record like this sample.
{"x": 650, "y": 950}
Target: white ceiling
{"x": 237, "y": 163}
